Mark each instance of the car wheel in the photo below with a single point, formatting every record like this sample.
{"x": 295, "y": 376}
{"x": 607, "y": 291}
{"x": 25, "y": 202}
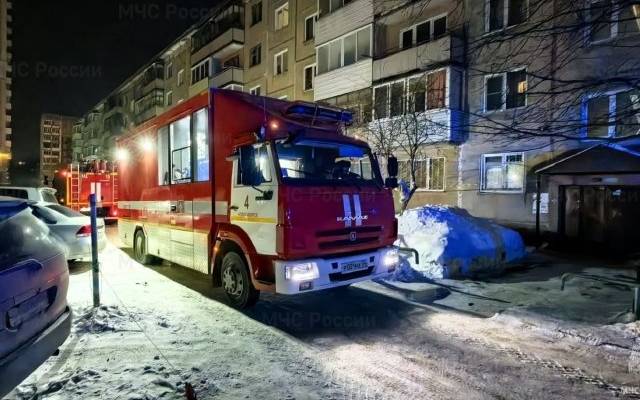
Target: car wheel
{"x": 236, "y": 282}
{"x": 140, "y": 249}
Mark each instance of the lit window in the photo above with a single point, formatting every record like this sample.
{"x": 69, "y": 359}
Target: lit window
{"x": 503, "y": 172}
{"x": 507, "y": 90}
{"x": 614, "y": 115}
{"x": 180, "y": 134}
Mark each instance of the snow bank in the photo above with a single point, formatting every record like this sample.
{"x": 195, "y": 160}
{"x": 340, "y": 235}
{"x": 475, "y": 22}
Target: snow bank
{"x": 452, "y": 243}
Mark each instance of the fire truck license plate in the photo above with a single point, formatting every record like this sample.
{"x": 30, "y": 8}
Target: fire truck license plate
{"x": 354, "y": 266}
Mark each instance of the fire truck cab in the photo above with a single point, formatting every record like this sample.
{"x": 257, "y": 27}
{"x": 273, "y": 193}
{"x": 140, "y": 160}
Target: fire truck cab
{"x": 261, "y": 194}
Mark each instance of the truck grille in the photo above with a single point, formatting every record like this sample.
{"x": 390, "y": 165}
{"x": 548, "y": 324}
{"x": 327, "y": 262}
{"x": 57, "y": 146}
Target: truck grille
{"x": 340, "y": 238}
{"x": 340, "y": 277}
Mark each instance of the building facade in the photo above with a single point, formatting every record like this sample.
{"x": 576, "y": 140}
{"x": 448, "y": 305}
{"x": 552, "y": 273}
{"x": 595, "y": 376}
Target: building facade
{"x": 477, "y": 95}
{"x": 5, "y": 89}
{"x": 56, "y": 144}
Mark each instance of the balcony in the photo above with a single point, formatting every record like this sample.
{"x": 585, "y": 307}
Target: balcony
{"x": 441, "y": 125}
{"x": 228, "y": 76}
{"x": 351, "y": 16}
{"x": 445, "y": 50}
{"x": 223, "y": 45}
{"x": 199, "y": 87}
{"x": 343, "y": 80}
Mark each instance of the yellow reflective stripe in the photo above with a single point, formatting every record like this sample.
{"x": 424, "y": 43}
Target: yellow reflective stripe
{"x": 245, "y": 218}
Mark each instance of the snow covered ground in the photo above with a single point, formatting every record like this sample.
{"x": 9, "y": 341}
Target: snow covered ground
{"x": 162, "y": 327}
{"x": 452, "y": 244}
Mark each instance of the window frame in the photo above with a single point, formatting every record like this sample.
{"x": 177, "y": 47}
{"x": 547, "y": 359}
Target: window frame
{"x": 414, "y": 31}
{"x": 276, "y": 25}
{"x": 169, "y": 70}
{"x": 505, "y": 16}
{"x": 198, "y": 68}
{"x": 407, "y": 99}
{"x": 285, "y": 66}
{"x": 314, "y": 18}
{"x": 505, "y": 87}
{"x": 358, "y": 57}
{"x": 169, "y": 98}
{"x": 504, "y": 157}
{"x": 181, "y": 77}
{"x": 613, "y": 114}
{"x": 429, "y": 160}
{"x": 256, "y": 6}
{"x": 613, "y": 29}
{"x": 258, "y": 49}
{"x": 314, "y": 72}
{"x": 253, "y": 89}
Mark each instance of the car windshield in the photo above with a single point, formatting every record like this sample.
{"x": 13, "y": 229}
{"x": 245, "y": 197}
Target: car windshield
{"x": 66, "y": 211}
{"x": 48, "y": 196}
{"x": 321, "y": 162}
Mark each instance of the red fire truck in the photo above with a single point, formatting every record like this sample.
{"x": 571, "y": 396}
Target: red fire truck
{"x": 75, "y": 184}
{"x": 262, "y": 194}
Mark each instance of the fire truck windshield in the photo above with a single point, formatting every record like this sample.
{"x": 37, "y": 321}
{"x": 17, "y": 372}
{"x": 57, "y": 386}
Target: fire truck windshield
{"x": 318, "y": 162}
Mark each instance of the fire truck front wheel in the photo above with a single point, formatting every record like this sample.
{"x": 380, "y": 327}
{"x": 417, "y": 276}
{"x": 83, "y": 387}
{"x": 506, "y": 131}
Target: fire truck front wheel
{"x": 236, "y": 282}
{"x": 140, "y": 249}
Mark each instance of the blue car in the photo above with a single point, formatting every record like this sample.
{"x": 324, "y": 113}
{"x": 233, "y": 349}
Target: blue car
{"x": 34, "y": 277}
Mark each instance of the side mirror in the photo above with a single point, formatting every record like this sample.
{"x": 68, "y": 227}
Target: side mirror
{"x": 391, "y": 183}
{"x": 392, "y": 167}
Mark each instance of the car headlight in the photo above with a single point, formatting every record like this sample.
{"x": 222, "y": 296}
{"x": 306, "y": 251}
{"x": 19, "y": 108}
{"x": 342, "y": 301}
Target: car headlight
{"x": 391, "y": 259}
{"x": 301, "y": 272}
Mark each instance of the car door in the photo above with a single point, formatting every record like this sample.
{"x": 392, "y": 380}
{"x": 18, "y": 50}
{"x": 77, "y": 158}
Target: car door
{"x": 254, "y": 202}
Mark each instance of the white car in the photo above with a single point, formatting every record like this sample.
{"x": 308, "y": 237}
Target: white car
{"x": 39, "y": 194}
{"x": 71, "y": 228}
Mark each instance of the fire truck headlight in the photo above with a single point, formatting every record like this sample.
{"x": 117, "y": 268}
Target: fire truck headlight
{"x": 301, "y": 272}
{"x": 391, "y": 259}
{"x": 122, "y": 154}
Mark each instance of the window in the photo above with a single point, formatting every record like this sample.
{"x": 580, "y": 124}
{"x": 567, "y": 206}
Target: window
{"x": 232, "y": 62}
{"x": 506, "y": 90}
{"x": 282, "y": 17}
{"x": 503, "y": 172}
{"x": 255, "y": 55}
{"x": 436, "y": 89}
{"x": 310, "y": 27}
{"x": 180, "y": 77}
{"x": 283, "y": 97}
{"x": 344, "y": 51}
{"x": 614, "y": 115}
{"x": 396, "y": 104}
{"x": 253, "y": 165}
{"x": 417, "y": 94}
{"x": 255, "y": 91}
{"x": 180, "y": 133}
{"x": 404, "y": 172}
{"x": 309, "y": 75}
{"x": 501, "y": 13}
{"x": 601, "y": 20}
{"x": 163, "y": 155}
{"x": 412, "y": 95}
{"x": 169, "y": 70}
{"x": 200, "y": 71}
{"x": 381, "y": 102}
{"x": 201, "y": 135}
{"x": 256, "y": 13}
{"x": 435, "y": 174}
{"x": 169, "y": 99}
{"x": 280, "y": 63}
{"x": 329, "y": 6}
{"x": 423, "y": 32}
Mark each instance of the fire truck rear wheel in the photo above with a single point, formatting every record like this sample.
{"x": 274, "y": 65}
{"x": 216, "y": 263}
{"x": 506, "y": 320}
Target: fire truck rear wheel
{"x": 140, "y": 249}
{"x": 236, "y": 281}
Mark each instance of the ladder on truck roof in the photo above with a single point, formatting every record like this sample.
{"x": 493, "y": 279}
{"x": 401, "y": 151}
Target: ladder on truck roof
{"x": 73, "y": 190}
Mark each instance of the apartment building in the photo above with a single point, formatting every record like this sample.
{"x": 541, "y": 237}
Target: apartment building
{"x": 5, "y": 89}
{"x": 417, "y": 77}
{"x": 56, "y": 150}
{"x": 553, "y": 117}
{"x": 280, "y": 48}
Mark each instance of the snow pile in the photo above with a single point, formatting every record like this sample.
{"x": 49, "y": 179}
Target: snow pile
{"x": 452, "y": 243}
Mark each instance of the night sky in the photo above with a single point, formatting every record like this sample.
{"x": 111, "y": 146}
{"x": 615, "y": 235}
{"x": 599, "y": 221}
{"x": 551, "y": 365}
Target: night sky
{"x": 69, "y": 54}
